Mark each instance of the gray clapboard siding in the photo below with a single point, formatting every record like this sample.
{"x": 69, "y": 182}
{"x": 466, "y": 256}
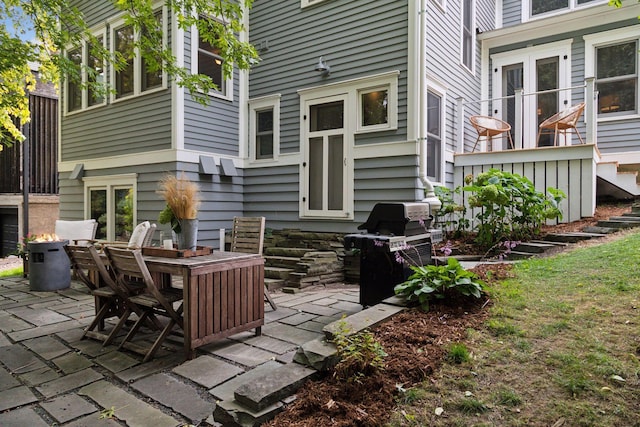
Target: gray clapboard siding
{"x": 511, "y": 12}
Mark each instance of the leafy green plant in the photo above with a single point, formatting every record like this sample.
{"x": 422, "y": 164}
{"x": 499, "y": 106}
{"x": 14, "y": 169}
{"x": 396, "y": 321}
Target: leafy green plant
{"x": 430, "y": 282}
{"x": 360, "y": 354}
{"x": 451, "y": 215}
{"x": 510, "y": 208}
{"x": 458, "y": 353}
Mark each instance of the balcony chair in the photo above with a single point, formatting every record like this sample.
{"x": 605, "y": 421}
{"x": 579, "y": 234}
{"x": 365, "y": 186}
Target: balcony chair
{"x": 489, "y": 127}
{"x": 129, "y": 265}
{"x": 562, "y": 122}
{"x": 247, "y": 236}
{"x": 111, "y": 300}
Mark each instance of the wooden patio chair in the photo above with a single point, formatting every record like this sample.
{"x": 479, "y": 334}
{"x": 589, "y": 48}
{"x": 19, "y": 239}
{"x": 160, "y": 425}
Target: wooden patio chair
{"x": 111, "y": 300}
{"x": 247, "y": 236}
{"x": 129, "y": 265}
{"x": 489, "y": 127}
{"x": 561, "y": 123}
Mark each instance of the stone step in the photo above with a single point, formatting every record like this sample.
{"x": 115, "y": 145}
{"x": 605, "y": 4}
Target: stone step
{"x": 269, "y": 389}
{"x": 277, "y": 272}
{"x": 230, "y": 413}
{"x": 571, "y": 237}
{"x": 274, "y": 284}
{"x": 287, "y": 252}
{"x": 281, "y": 261}
{"x": 600, "y": 230}
{"x": 632, "y": 214}
{"x": 629, "y": 218}
{"x": 358, "y": 322}
{"x": 514, "y": 255}
{"x": 618, "y": 224}
{"x": 549, "y": 242}
{"x": 532, "y": 247}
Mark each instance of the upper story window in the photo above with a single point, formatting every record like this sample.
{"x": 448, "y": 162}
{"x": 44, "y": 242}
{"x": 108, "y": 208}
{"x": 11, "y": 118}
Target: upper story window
{"x": 206, "y": 60}
{"x": 612, "y": 57}
{"x": 264, "y": 128}
{"x": 80, "y": 91}
{"x": 468, "y": 34}
{"x": 435, "y": 125}
{"x": 536, "y": 8}
{"x": 377, "y": 106}
{"x": 135, "y": 75}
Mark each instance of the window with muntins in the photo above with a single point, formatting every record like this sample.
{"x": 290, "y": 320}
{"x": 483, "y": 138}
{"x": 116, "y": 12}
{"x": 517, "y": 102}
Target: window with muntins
{"x": 74, "y": 88}
{"x": 264, "y": 134}
{"x": 80, "y": 89}
{"x": 617, "y": 78}
{"x": 123, "y": 46}
{"x": 374, "y": 108}
{"x": 543, "y": 7}
{"x": 264, "y": 128}
{"x": 111, "y": 202}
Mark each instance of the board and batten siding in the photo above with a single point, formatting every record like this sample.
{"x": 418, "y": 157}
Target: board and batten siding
{"x": 571, "y": 169}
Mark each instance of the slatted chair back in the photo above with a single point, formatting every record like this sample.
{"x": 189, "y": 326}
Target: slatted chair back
{"x": 247, "y": 234}
{"x": 129, "y": 264}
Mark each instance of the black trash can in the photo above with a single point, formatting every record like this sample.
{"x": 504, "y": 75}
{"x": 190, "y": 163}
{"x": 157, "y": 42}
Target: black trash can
{"x": 49, "y": 266}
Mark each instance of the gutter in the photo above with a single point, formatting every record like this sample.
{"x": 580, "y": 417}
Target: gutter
{"x": 430, "y": 195}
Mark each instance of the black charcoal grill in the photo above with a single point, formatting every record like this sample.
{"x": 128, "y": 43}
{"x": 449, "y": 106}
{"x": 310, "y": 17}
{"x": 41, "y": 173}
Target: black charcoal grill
{"x": 392, "y": 230}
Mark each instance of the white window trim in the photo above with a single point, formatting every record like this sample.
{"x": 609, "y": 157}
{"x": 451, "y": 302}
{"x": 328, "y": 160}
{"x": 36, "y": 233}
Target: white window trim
{"x": 109, "y": 183}
{"x": 118, "y": 23}
{"x": 391, "y": 86}
{"x": 573, "y": 5}
{"x": 100, "y": 31}
{"x": 259, "y": 104}
{"x": 441, "y": 91}
{"x": 307, "y": 3}
{"x": 349, "y": 90}
{"x": 228, "y": 94}
{"x": 473, "y": 38}
{"x": 605, "y": 38}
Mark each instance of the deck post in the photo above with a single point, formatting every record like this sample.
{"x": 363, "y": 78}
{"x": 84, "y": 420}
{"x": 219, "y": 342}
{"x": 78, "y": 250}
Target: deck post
{"x": 517, "y": 123}
{"x": 590, "y": 115}
{"x": 460, "y": 125}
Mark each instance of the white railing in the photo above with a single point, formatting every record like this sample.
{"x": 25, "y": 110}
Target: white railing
{"x": 466, "y": 135}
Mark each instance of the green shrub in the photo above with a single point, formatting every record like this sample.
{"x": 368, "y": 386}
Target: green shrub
{"x": 430, "y": 282}
{"x": 360, "y": 354}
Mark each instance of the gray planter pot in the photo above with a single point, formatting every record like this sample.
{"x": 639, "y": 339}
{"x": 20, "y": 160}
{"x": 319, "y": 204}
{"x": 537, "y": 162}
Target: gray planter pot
{"x": 188, "y": 236}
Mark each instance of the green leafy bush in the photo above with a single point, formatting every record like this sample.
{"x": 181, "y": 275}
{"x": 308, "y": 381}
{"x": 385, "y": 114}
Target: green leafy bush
{"x": 360, "y": 354}
{"x": 430, "y": 282}
{"x": 451, "y": 215}
{"x": 510, "y": 208}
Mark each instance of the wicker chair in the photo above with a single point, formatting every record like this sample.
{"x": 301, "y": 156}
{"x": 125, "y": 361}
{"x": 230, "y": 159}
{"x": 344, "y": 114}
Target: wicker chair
{"x": 561, "y": 123}
{"x": 489, "y": 127}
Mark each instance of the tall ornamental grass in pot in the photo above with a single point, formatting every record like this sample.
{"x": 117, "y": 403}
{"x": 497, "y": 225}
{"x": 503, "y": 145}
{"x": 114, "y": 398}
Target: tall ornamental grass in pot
{"x": 183, "y": 201}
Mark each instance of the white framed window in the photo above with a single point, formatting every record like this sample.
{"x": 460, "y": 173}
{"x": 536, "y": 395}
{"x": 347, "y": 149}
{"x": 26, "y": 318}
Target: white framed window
{"x": 111, "y": 201}
{"x": 436, "y": 100}
{"x": 468, "y": 35}
{"x": 206, "y": 59}
{"x": 135, "y": 77}
{"x": 305, "y": 3}
{"x": 264, "y": 128}
{"x": 612, "y": 57}
{"x": 330, "y": 117}
{"x": 90, "y": 69}
{"x": 532, "y": 9}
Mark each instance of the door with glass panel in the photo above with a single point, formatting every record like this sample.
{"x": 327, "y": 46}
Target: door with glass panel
{"x": 538, "y": 73}
{"x": 112, "y": 208}
{"x": 325, "y": 159}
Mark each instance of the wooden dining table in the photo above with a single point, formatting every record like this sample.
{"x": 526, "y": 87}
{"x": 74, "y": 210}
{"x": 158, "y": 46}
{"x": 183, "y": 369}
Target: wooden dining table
{"x": 223, "y": 294}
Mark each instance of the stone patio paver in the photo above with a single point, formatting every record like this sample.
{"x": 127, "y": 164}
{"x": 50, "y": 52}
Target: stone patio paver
{"x": 4, "y": 341}
{"x": 7, "y": 381}
{"x": 176, "y": 395}
{"x": 94, "y": 420}
{"x": 68, "y": 407}
{"x": 225, "y": 390}
{"x": 317, "y": 309}
{"x": 297, "y": 319}
{"x": 242, "y": 354}
{"x": 288, "y": 333}
{"x": 68, "y": 382}
{"x": 46, "y": 347}
{"x": 116, "y": 361}
{"x": 39, "y": 376}
{"x": 19, "y": 360}
{"x": 21, "y": 418}
{"x": 273, "y": 345}
{"x": 38, "y": 317}
{"x": 207, "y": 371}
{"x": 16, "y": 396}
{"x": 45, "y": 330}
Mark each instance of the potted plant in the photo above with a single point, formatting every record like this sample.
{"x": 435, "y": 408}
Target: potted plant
{"x": 182, "y": 197}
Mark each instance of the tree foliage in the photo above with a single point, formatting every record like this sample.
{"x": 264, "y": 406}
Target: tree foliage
{"x": 60, "y": 24}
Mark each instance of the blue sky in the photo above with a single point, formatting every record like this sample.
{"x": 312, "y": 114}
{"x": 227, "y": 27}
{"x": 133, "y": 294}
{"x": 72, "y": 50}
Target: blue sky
{"x": 26, "y": 26}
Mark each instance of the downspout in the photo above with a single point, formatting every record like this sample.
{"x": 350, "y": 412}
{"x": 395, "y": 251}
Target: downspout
{"x": 430, "y": 195}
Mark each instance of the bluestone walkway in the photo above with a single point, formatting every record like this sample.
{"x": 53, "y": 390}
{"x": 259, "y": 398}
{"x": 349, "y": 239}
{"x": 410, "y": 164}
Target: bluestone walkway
{"x": 49, "y": 376}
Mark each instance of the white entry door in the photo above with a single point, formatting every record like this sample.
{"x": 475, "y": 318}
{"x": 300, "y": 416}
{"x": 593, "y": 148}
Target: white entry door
{"x": 537, "y": 71}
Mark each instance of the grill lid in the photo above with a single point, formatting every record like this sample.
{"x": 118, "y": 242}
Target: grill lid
{"x": 398, "y": 218}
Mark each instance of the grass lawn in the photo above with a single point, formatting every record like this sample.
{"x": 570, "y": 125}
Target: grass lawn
{"x": 11, "y": 272}
{"x": 561, "y": 348}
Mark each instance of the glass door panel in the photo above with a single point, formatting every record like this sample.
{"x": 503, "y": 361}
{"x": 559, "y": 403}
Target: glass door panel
{"x": 547, "y": 103}
{"x": 336, "y": 172}
{"x": 512, "y": 80}
{"x": 315, "y": 173}
{"x": 98, "y": 211}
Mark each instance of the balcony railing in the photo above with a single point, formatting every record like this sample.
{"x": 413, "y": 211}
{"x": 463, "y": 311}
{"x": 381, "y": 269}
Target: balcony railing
{"x": 523, "y": 117}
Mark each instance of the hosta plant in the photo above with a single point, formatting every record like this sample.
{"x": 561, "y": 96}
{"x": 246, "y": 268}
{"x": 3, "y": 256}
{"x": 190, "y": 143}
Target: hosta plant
{"x": 431, "y": 282}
